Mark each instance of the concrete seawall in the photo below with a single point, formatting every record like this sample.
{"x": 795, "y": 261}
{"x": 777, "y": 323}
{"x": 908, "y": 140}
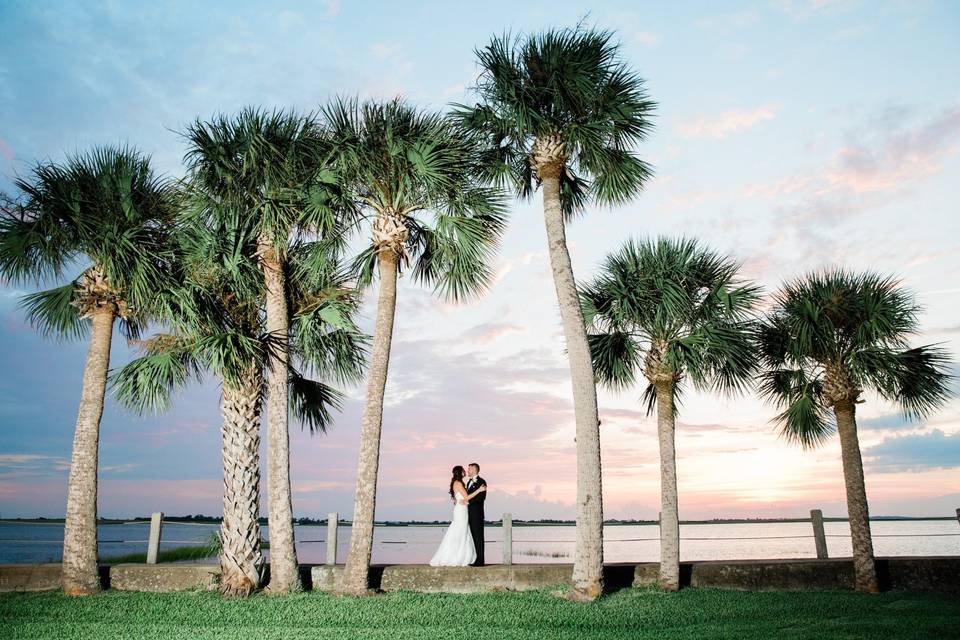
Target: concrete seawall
{"x": 938, "y": 574}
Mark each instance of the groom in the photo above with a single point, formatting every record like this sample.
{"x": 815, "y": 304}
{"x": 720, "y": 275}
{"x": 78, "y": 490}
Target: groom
{"x": 475, "y": 510}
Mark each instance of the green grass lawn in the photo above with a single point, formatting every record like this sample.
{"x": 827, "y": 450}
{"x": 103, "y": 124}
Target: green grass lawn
{"x": 630, "y": 613}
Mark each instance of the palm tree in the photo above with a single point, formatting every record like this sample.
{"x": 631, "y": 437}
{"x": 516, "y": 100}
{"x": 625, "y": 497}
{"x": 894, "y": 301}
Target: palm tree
{"x": 403, "y": 165}
{"x": 675, "y": 311}
{"x": 216, "y": 313}
{"x": 830, "y": 337}
{"x": 261, "y": 174}
{"x": 562, "y": 110}
{"x": 101, "y": 217}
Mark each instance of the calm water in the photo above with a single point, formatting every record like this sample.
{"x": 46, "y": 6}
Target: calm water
{"x": 31, "y": 543}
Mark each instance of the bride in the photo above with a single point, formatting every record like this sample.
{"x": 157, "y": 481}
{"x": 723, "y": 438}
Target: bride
{"x": 456, "y": 548}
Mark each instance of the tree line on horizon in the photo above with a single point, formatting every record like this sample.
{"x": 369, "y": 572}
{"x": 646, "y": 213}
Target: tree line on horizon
{"x": 243, "y": 270}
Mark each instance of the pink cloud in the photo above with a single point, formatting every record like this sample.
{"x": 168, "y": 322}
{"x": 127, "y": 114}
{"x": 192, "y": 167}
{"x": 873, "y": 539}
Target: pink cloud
{"x": 729, "y": 122}
{"x": 926, "y": 257}
{"x": 319, "y": 485}
{"x": 178, "y": 431}
{"x": 860, "y": 171}
{"x": 907, "y": 155}
{"x": 691, "y": 199}
{"x": 176, "y": 496}
{"x": 6, "y": 152}
{"x": 788, "y": 186}
{"x": 489, "y": 332}
{"x": 882, "y": 162}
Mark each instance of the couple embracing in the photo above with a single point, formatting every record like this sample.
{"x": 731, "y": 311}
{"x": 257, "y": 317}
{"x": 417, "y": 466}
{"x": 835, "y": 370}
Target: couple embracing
{"x": 462, "y": 543}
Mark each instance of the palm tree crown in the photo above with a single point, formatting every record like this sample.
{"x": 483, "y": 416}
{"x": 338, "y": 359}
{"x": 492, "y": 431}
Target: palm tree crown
{"x": 673, "y": 310}
{"x": 830, "y": 337}
{"x": 262, "y": 174}
{"x": 562, "y": 101}
{"x": 106, "y": 207}
{"x": 403, "y": 164}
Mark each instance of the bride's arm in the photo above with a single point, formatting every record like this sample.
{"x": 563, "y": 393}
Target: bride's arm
{"x": 482, "y": 489}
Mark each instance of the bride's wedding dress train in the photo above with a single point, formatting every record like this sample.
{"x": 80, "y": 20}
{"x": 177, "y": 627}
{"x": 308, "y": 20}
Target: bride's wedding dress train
{"x": 456, "y": 549}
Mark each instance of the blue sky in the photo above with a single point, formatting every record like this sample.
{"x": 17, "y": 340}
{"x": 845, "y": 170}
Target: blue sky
{"x": 792, "y": 135}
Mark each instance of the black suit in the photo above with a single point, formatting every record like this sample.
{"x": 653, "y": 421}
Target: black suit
{"x": 475, "y": 515}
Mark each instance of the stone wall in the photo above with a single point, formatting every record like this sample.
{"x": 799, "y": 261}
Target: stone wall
{"x": 940, "y": 574}
{"x": 29, "y": 577}
{"x": 163, "y": 577}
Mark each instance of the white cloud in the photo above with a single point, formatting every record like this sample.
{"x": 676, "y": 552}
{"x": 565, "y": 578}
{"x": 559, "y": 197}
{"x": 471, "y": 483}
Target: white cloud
{"x": 7, "y": 459}
{"x": 731, "y": 21}
{"x": 803, "y": 9}
{"x": 33, "y": 464}
{"x": 382, "y": 50}
{"x": 332, "y": 7}
{"x": 647, "y": 39}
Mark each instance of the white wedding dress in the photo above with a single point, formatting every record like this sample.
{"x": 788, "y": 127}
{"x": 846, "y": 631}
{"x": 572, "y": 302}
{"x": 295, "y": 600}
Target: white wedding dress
{"x": 456, "y": 548}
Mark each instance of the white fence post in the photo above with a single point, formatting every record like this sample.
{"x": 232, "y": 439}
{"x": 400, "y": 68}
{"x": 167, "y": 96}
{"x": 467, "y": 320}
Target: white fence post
{"x": 819, "y": 537}
{"x": 333, "y": 522}
{"x": 507, "y": 539}
{"x": 153, "y": 545}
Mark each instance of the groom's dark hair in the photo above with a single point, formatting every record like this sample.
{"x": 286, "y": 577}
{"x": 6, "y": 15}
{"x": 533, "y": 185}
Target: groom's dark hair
{"x": 474, "y": 464}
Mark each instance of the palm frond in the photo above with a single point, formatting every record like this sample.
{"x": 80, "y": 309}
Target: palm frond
{"x": 454, "y": 255}
{"x": 312, "y": 402}
{"x": 229, "y": 354}
{"x": 145, "y": 384}
{"x": 327, "y": 341}
{"x": 54, "y": 313}
{"x": 649, "y": 399}
{"x": 917, "y": 379}
{"x": 616, "y": 359}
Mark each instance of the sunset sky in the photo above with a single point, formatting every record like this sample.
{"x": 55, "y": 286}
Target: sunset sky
{"x": 793, "y": 135}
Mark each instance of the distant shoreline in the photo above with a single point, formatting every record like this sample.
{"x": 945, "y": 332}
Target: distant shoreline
{"x": 307, "y": 522}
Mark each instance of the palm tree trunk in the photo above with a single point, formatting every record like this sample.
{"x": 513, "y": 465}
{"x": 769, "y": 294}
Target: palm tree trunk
{"x": 588, "y": 554}
{"x": 669, "y": 512}
{"x": 241, "y": 561}
{"x": 80, "y": 573}
{"x": 284, "y": 569}
{"x": 864, "y": 567}
{"x": 356, "y": 572}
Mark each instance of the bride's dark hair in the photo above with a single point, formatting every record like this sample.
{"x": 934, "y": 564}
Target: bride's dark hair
{"x": 458, "y": 474}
